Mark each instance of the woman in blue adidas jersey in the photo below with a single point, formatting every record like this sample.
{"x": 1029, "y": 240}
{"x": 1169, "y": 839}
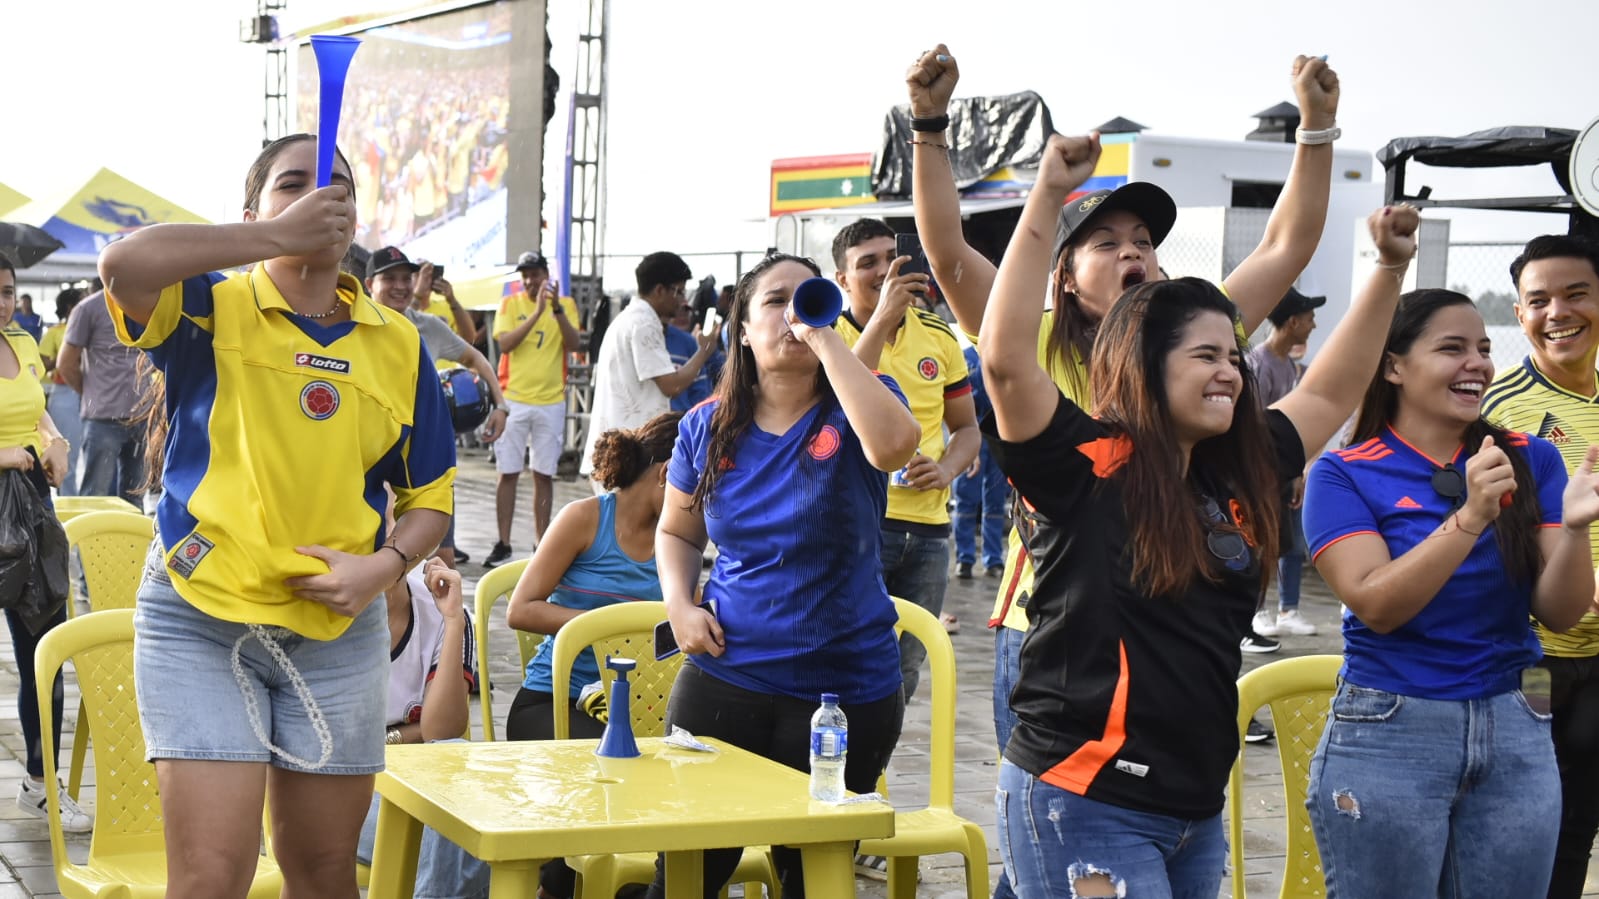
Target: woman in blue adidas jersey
{"x": 292, "y": 399}
{"x": 1441, "y": 533}
{"x": 784, "y": 467}
{"x": 1152, "y": 520}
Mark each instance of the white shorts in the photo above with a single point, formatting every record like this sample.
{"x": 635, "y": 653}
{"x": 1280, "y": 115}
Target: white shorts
{"x": 541, "y": 428}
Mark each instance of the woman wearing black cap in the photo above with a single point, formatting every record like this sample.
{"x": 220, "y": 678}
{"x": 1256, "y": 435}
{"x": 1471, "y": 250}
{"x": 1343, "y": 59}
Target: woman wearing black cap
{"x": 1105, "y": 243}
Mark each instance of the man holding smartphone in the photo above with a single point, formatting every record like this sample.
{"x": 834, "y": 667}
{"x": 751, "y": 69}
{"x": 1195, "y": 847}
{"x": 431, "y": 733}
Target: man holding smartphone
{"x": 434, "y": 295}
{"x": 891, "y": 334}
{"x": 535, "y": 329}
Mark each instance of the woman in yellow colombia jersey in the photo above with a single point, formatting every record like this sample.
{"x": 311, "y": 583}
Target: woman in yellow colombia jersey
{"x": 292, "y": 399}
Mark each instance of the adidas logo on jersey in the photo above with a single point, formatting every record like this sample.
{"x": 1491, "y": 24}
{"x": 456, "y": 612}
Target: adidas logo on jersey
{"x": 1557, "y": 436}
{"x": 1406, "y": 502}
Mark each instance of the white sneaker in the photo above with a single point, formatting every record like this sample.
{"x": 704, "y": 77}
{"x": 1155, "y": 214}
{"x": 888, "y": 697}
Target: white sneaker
{"x": 1266, "y": 624}
{"x": 35, "y": 801}
{"x": 1294, "y": 623}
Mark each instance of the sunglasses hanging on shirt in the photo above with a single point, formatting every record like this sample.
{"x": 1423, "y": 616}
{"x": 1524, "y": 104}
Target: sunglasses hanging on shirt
{"x": 1228, "y": 546}
{"x": 1449, "y": 483}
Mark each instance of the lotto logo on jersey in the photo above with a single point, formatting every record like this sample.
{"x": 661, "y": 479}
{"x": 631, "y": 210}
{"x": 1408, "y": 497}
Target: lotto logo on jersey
{"x": 322, "y": 363}
{"x": 319, "y": 400}
{"x": 928, "y": 367}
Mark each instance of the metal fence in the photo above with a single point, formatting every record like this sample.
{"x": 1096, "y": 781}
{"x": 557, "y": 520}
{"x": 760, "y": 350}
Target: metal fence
{"x": 1481, "y": 270}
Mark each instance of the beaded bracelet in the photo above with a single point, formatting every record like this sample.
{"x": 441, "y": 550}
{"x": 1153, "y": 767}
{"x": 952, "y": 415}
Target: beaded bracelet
{"x": 928, "y": 143}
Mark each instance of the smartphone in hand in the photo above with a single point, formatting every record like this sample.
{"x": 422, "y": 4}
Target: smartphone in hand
{"x": 666, "y": 642}
{"x": 911, "y": 245}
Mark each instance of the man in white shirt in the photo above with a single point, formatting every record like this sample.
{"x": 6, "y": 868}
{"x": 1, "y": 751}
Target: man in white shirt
{"x": 634, "y": 376}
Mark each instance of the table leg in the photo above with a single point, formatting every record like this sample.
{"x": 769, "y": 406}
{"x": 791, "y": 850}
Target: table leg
{"x": 394, "y": 853}
{"x": 685, "y": 875}
{"x": 514, "y": 879}
{"x": 829, "y": 869}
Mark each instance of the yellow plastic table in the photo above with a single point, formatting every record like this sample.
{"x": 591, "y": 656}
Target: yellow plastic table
{"x": 517, "y": 805}
{"x": 71, "y": 506}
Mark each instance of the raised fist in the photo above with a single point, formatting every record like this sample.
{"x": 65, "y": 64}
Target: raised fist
{"x": 1316, "y": 89}
{"x": 930, "y": 81}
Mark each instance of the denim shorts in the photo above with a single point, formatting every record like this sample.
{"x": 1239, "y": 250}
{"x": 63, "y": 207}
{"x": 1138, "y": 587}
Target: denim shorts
{"x": 192, "y": 704}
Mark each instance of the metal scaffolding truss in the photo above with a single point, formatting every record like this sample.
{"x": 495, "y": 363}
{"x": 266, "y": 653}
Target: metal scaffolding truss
{"x": 587, "y": 214}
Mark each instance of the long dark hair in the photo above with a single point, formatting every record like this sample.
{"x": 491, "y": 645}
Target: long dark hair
{"x": 736, "y": 390}
{"x": 1516, "y": 530}
{"x": 1071, "y": 328}
{"x": 1128, "y": 373}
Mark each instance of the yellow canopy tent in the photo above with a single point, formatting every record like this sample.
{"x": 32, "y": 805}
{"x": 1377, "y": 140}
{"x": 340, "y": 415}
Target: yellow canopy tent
{"x": 105, "y": 206}
{"x": 10, "y": 200}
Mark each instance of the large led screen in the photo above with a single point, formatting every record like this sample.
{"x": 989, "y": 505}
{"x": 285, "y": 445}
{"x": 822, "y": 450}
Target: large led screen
{"x": 441, "y": 122}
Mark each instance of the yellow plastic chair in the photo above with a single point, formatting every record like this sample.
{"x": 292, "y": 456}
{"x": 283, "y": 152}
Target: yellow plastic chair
{"x": 1298, "y": 691}
{"x": 936, "y": 828}
{"x": 127, "y": 855}
{"x": 112, "y": 547}
{"x": 493, "y": 587}
{"x": 627, "y": 630}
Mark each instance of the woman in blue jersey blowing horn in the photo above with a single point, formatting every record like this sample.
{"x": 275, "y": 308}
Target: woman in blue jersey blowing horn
{"x": 291, "y": 399}
{"x": 785, "y": 468}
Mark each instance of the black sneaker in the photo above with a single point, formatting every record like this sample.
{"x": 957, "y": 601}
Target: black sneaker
{"x": 498, "y": 556}
{"x": 995, "y": 570}
{"x": 461, "y": 558}
{"x": 1257, "y": 732}
{"x": 964, "y": 571}
{"x": 1255, "y": 643}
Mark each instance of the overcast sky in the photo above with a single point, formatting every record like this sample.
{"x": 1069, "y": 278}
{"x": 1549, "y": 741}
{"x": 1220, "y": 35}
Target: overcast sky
{"x": 703, "y": 95}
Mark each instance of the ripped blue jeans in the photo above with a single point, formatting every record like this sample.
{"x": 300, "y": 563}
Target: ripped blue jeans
{"x": 1427, "y": 797}
{"x": 1050, "y": 838}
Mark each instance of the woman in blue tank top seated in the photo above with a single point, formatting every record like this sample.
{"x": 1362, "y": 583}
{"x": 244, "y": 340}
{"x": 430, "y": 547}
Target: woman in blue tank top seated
{"x": 784, "y": 468}
{"x": 598, "y": 552}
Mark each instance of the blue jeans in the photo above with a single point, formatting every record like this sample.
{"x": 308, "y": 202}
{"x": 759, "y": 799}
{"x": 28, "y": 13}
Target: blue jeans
{"x": 1425, "y": 797}
{"x": 63, "y": 408}
{"x": 1291, "y": 562}
{"x": 113, "y": 459}
{"x": 915, "y": 568}
{"x": 443, "y": 869}
{"x": 1049, "y": 838}
{"x": 981, "y": 498}
{"x": 1007, "y": 670}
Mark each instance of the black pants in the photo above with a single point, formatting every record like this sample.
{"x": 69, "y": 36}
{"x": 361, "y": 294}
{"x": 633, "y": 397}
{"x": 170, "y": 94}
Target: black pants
{"x": 531, "y": 718}
{"x": 778, "y": 728}
{"x": 1574, "y": 699}
{"x": 24, "y": 643}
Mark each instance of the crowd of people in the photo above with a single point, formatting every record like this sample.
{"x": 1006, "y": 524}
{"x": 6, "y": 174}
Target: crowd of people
{"x": 775, "y": 484}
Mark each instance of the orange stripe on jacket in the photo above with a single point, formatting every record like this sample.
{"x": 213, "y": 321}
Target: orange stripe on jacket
{"x": 1078, "y": 770}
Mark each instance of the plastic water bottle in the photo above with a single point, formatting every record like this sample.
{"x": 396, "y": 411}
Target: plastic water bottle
{"x": 829, "y": 745}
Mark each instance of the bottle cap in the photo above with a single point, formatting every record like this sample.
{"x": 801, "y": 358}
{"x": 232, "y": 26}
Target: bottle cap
{"x": 830, "y": 698}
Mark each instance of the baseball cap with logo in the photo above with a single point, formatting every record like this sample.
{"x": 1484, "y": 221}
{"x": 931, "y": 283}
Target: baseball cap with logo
{"x": 1143, "y": 199}
{"x": 387, "y": 258}
{"x": 1293, "y": 303}
{"x": 532, "y": 259}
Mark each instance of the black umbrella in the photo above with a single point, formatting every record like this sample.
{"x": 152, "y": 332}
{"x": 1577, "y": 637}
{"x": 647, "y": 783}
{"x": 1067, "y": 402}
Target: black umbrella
{"x": 25, "y": 245}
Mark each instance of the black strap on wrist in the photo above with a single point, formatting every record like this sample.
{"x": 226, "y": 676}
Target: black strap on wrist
{"x": 930, "y": 123}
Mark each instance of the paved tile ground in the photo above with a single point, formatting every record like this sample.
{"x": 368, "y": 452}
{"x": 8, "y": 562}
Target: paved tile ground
{"x": 25, "y": 869}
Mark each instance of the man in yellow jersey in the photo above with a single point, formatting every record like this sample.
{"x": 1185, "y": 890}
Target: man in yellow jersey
{"x": 918, "y": 349}
{"x": 535, "y": 329}
{"x": 1554, "y": 393}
